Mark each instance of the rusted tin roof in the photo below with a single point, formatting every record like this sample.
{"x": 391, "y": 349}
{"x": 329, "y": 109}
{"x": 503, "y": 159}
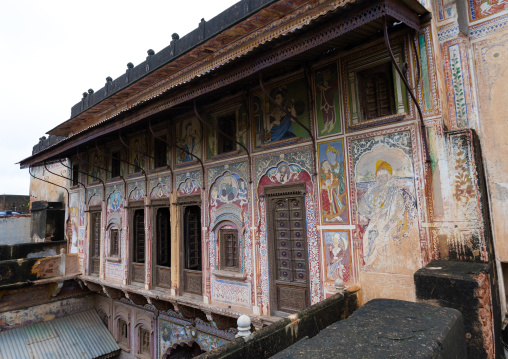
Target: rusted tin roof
{"x": 81, "y": 335}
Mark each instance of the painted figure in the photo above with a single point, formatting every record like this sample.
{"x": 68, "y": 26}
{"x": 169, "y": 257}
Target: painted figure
{"x": 327, "y": 87}
{"x": 190, "y": 142}
{"x": 385, "y": 207}
{"x": 338, "y": 258}
{"x": 280, "y": 123}
{"x": 333, "y": 187}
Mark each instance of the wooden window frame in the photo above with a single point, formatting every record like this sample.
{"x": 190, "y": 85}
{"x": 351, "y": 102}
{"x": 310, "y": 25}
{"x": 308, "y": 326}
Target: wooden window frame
{"x": 112, "y": 246}
{"x": 75, "y": 175}
{"x": 223, "y": 232}
{"x": 352, "y": 68}
{"x": 222, "y": 139}
{"x": 114, "y": 163}
{"x": 160, "y": 163}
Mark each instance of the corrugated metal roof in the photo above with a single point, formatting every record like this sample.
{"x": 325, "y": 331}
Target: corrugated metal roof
{"x": 80, "y": 336}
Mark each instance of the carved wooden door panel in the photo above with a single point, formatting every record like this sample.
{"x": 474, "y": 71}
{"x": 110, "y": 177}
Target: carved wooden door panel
{"x": 290, "y": 271}
{"x": 192, "y": 277}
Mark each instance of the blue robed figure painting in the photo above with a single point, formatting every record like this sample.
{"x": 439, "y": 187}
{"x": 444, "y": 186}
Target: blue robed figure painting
{"x": 275, "y": 120}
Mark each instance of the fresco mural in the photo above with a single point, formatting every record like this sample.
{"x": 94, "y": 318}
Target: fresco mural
{"x": 229, "y": 188}
{"x": 136, "y": 191}
{"x": 188, "y": 183}
{"x": 272, "y": 123}
{"x": 481, "y": 9}
{"x": 189, "y": 138}
{"x": 74, "y": 217}
{"x": 332, "y": 180}
{"x": 337, "y": 253}
{"x": 327, "y": 100}
{"x": 138, "y": 144}
{"x": 386, "y": 203}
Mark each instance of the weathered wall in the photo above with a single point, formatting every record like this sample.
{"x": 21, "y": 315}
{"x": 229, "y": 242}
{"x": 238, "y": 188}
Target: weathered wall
{"x": 15, "y": 229}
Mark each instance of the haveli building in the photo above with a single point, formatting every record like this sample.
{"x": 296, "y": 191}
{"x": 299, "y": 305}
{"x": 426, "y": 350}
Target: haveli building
{"x": 278, "y": 147}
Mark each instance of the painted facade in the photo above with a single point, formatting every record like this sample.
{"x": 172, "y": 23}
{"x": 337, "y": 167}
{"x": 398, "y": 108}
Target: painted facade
{"x": 374, "y": 210}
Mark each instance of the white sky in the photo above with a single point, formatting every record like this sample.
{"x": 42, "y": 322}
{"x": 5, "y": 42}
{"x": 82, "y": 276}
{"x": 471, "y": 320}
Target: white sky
{"x": 52, "y": 51}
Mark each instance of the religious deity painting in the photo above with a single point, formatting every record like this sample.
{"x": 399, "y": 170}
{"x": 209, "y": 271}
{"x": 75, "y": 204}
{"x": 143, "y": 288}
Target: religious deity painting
{"x": 337, "y": 252}
{"x": 189, "y": 140}
{"x": 386, "y": 203}
{"x": 136, "y": 158}
{"x": 275, "y": 121}
{"x": 327, "y": 100}
{"x": 96, "y": 161}
{"x": 232, "y": 121}
{"x": 285, "y": 173}
{"x": 115, "y": 202}
{"x": 189, "y": 186}
{"x": 332, "y": 180}
{"x": 229, "y": 188}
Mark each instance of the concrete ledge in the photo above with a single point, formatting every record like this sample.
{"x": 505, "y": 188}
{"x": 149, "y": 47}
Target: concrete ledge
{"x": 278, "y": 336}
{"x": 387, "y": 328}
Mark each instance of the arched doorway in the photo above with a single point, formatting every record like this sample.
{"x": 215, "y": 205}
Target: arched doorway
{"x": 183, "y": 351}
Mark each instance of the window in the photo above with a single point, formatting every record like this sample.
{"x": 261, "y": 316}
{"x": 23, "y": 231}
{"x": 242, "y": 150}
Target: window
{"x": 225, "y": 140}
{"x": 139, "y": 236}
{"x": 192, "y": 237}
{"x": 160, "y": 153}
{"x": 144, "y": 341}
{"x": 95, "y": 239}
{"x": 229, "y": 249}
{"x": 376, "y": 91}
{"x": 163, "y": 237}
{"x": 104, "y": 318}
{"x": 123, "y": 332}
{"x": 114, "y": 243}
{"x": 75, "y": 174}
{"x": 115, "y": 164}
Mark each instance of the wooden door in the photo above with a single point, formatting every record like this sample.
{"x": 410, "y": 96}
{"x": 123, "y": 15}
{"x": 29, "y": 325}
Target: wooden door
{"x": 138, "y": 255}
{"x": 192, "y": 276}
{"x": 163, "y": 248}
{"x": 289, "y": 274}
{"x": 95, "y": 242}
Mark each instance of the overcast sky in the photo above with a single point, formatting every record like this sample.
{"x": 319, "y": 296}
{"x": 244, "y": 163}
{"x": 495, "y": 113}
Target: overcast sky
{"x": 53, "y": 51}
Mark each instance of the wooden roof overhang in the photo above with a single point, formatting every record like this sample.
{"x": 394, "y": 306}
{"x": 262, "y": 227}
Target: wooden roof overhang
{"x": 309, "y": 34}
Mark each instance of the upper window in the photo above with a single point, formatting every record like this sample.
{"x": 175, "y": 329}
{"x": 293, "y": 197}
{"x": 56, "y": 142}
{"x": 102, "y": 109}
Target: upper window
{"x": 376, "y": 92}
{"x": 115, "y": 164}
{"x": 229, "y": 245}
{"x": 225, "y": 139}
{"x": 160, "y": 153}
{"x": 75, "y": 174}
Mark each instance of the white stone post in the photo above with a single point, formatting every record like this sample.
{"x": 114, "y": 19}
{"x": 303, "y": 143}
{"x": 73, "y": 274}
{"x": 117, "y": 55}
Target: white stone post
{"x": 244, "y": 327}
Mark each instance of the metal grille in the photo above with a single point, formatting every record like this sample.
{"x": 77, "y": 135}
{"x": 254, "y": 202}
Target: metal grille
{"x": 229, "y": 245}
